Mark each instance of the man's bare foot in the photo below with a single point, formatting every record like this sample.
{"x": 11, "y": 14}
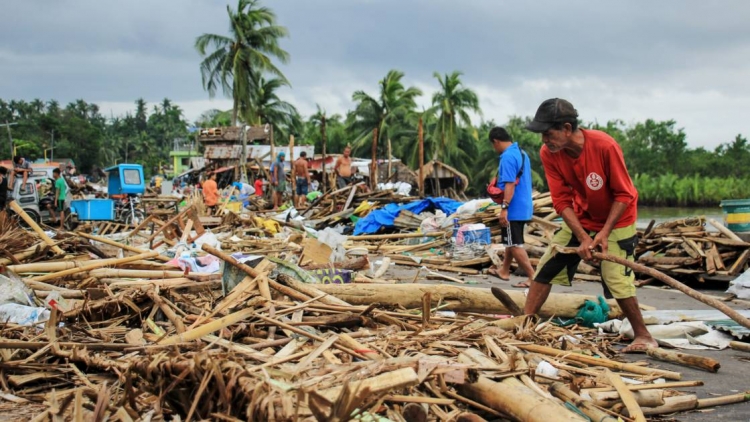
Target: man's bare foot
{"x": 640, "y": 345}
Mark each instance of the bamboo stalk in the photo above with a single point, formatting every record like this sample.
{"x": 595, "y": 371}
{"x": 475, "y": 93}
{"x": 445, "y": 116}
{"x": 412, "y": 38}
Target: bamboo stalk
{"x": 673, "y": 404}
{"x": 723, "y": 230}
{"x": 726, "y": 310}
{"x": 723, "y": 400}
{"x": 645, "y": 398}
{"x": 740, "y": 345}
{"x": 562, "y": 392}
{"x": 603, "y": 362}
{"x": 694, "y": 361}
{"x": 626, "y": 395}
{"x": 118, "y": 245}
{"x": 97, "y": 264}
{"x": 38, "y": 230}
{"x": 208, "y": 328}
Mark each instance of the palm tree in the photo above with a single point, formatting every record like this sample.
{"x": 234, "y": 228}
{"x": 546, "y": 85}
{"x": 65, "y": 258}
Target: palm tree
{"x": 387, "y": 113}
{"x": 253, "y": 41}
{"x": 265, "y": 106}
{"x": 453, "y": 103}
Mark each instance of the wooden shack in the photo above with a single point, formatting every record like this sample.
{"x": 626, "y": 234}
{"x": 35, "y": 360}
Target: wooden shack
{"x": 440, "y": 179}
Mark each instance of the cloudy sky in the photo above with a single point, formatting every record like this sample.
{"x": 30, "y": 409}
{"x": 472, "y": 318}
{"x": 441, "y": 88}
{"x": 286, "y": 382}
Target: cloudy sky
{"x": 688, "y": 61}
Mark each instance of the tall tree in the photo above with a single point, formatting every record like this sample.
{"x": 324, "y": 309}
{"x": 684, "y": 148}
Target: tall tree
{"x": 387, "y": 113}
{"x": 253, "y": 41}
{"x": 453, "y": 102}
{"x": 265, "y": 107}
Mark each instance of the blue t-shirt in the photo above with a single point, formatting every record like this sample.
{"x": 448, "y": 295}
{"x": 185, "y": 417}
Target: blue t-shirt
{"x": 521, "y": 207}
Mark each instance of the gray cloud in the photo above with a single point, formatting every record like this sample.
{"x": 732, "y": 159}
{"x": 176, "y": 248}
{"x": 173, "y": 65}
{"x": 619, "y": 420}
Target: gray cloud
{"x": 629, "y": 60}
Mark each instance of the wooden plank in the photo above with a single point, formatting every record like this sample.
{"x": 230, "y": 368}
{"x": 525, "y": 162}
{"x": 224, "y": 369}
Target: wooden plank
{"x": 739, "y": 264}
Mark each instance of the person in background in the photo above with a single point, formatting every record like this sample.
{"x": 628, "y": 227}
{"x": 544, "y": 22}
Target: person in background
{"x": 20, "y": 167}
{"x": 259, "y": 185}
{"x": 302, "y": 175}
{"x": 343, "y": 168}
{"x": 594, "y": 194}
{"x": 3, "y": 188}
{"x": 61, "y": 192}
{"x": 514, "y": 177}
{"x": 278, "y": 180}
{"x": 211, "y": 193}
{"x": 314, "y": 185}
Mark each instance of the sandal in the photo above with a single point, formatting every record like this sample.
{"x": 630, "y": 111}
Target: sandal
{"x": 521, "y": 285}
{"x": 492, "y": 270}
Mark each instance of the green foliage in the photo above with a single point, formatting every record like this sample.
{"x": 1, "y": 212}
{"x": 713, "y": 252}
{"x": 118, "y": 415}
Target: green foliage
{"x": 238, "y": 61}
{"x": 671, "y": 190}
{"x": 84, "y": 135}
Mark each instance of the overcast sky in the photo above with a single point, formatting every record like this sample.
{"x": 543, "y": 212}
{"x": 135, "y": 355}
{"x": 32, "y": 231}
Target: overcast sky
{"x": 688, "y": 60}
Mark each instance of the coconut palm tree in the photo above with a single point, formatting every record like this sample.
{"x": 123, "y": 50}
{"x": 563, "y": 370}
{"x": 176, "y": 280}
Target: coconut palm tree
{"x": 453, "y": 102}
{"x": 252, "y": 42}
{"x": 387, "y": 113}
{"x": 265, "y": 106}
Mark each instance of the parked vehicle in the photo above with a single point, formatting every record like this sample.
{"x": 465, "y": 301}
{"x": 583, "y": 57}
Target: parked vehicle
{"x": 37, "y": 206}
{"x": 124, "y": 184}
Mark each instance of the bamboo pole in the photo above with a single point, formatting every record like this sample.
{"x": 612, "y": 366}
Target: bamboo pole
{"x": 562, "y": 392}
{"x": 693, "y": 361}
{"x": 374, "y": 163}
{"x": 671, "y": 282}
{"x": 97, "y": 264}
{"x": 603, "y": 362}
{"x": 720, "y": 401}
{"x": 516, "y": 400}
{"x": 627, "y": 396}
{"x": 740, "y": 345}
{"x": 324, "y": 182}
{"x": 119, "y": 245}
{"x": 673, "y": 404}
{"x": 38, "y": 230}
{"x": 645, "y": 398}
{"x": 208, "y": 328}
{"x": 723, "y": 230}
{"x": 294, "y": 177}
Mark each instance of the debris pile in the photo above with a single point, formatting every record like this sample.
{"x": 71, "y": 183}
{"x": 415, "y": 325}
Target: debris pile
{"x": 135, "y": 335}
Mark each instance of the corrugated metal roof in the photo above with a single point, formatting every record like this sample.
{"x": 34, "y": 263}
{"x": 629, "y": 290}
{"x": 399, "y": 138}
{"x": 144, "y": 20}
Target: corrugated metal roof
{"x": 731, "y": 327}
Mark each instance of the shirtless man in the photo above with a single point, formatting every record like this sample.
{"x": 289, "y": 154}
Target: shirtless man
{"x": 343, "y": 169}
{"x": 302, "y": 175}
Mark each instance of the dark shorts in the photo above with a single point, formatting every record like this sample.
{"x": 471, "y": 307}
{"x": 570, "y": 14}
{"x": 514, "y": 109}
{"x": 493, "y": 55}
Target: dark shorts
{"x": 559, "y": 268}
{"x": 513, "y": 234}
{"x": 301, "y": 186}
{"x": 342, "y": 182}
{"x": 60, "y": 205}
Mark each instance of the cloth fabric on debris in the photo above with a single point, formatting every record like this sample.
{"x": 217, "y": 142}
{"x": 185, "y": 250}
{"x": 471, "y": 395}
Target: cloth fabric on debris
{"x": 384, "y": 217}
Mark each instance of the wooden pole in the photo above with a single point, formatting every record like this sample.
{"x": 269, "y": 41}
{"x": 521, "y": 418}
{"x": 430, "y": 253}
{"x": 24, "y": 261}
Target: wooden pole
{"x": 294, "y": 177}
{"x": 324, "y": 181}
{"x": 726, "y": 310}
{"x": 694, "y": 361}
{"x": 388, "y": 176}
{"x": 420, "y": 135}
{"x": 374, "y": 164}
{"x": 30, "y": 221}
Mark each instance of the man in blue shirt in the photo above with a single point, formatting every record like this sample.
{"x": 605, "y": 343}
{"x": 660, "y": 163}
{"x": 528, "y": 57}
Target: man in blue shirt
{"x": 514, "y": 177}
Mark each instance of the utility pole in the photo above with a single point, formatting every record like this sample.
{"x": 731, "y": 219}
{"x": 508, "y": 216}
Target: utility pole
{"x": 10, "y": 138}
{"x": 52, "y": 152}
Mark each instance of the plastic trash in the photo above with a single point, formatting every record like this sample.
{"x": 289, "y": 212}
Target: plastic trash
{"x": 22, "y": 314}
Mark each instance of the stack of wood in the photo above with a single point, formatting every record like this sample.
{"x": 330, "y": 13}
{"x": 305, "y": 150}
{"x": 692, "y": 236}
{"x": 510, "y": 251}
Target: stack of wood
{"x": 688, "y": 248}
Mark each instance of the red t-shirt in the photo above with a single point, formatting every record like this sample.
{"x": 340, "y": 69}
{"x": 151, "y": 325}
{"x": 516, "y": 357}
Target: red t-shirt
{"x": 258, "y": 187}
{"x": 591, "y": 183}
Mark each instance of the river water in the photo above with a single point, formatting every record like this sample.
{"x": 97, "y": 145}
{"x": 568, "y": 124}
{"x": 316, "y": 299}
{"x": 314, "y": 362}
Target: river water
{"x": 661, "y": 214}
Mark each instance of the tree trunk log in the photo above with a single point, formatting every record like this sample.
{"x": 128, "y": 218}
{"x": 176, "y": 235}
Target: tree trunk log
{"x": 457, "y": 298}
{"x": 562, "y": 392}
{"x": 516, "y": 400}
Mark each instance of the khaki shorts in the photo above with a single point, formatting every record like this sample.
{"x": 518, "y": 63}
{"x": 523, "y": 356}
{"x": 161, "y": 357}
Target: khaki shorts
{"x": 559, "y": 268}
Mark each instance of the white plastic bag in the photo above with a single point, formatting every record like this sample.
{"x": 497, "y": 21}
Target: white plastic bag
{"x": 22, "y": 314}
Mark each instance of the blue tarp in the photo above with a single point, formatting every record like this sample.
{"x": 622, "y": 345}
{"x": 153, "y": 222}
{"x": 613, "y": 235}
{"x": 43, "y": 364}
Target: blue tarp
{"x": 383, "y": 218}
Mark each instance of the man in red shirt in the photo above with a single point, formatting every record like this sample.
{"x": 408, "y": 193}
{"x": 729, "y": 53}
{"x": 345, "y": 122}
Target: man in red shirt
{"x": 592, "y": 191}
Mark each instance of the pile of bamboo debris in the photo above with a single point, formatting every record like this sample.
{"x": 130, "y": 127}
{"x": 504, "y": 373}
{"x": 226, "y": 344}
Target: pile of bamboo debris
{"x": 136, "y": 339}
{"x": 686, "y": 248}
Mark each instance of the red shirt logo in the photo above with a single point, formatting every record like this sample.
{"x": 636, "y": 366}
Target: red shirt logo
{"x": 594, "y": 181}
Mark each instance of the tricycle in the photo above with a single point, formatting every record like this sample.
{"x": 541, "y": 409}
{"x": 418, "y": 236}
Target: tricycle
{"x": 124, "y": 183}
